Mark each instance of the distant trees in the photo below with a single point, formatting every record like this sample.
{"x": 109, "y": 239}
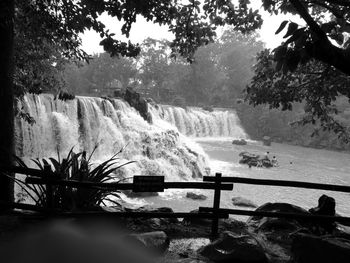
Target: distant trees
{"x": 217, "y": 75}
{"x": 100, "y": 75}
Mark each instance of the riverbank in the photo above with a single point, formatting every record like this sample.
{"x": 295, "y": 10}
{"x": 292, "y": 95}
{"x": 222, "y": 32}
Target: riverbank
{"x": 259, "y": 239}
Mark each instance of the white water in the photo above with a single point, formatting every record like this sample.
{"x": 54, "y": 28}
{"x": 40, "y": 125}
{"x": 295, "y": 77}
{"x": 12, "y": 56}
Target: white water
{"x": 157, "y": 148}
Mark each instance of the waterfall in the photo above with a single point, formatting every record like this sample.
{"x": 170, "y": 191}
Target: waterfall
{"x": 196, "y": 122}
{"x": 161, "y": 148}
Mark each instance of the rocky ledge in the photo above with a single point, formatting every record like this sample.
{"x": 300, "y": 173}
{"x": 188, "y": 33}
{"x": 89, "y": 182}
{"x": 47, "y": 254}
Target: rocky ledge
{"x": 258, "y": 240}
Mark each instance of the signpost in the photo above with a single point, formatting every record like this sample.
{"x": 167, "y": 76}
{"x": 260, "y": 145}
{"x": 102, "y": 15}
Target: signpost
{"x": 142, "y": 183}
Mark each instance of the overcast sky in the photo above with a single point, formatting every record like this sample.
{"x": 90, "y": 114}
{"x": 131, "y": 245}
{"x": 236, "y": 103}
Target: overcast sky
{"x": 143, "y": 29}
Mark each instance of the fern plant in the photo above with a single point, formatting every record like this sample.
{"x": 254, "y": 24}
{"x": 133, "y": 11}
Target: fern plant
{"x": 77, "y": 167}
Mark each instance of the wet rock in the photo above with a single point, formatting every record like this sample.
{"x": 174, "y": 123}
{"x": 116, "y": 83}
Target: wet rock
{"x": 231, "y": 247}
{"x": 239, "y": 142}
{"x": 240, "y": 201}
{"x": 156, "y": 242}
{"x": 309, "y": 248}
{"x": 195, "y": 196}
{"x": 256, "y": 160}
{"x": 139, "y": 103}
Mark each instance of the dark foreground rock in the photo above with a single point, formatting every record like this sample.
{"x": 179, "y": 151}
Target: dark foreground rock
{"x": 231, "y": 247}
{"x": 196, "y": 221}
{"x": 310, "y": 248}
{"x": 156, "y": 242}
{"x": 260, "y": 223}
{"x": 195, "y": 196}
{"x": 240, "y": 201}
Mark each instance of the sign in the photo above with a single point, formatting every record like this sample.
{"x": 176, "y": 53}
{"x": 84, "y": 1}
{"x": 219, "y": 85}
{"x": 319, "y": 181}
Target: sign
{"x": 143, "y": 183}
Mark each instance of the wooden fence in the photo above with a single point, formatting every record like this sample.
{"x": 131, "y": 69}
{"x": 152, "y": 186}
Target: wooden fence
{"x": 216, "y": 210}
{"x": 157, "y": 184}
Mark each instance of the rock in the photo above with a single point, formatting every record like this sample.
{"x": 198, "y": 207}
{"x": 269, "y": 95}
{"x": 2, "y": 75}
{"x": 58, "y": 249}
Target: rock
{"x": 267, "y": 141}
{"x": 139, "y": 103}
{"x": 195, "y": 196}
{"x": 234, "y": 248}
{"x": 208, "y": 108}
{"x": 196, "y": 221}
{"x": 156, "y": 242}
{"x": 164, "y": 210}
{"x": 240, "y": 201}
{"x": 239, "y": 142}
{"x": 256, "y": 160}
{"x": 260, "y": 222}
{"x": 309, "y": 248}
{"x": 326, "y": 206}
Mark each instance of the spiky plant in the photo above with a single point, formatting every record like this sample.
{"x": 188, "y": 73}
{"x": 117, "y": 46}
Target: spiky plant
{"x": 75, "y": 166}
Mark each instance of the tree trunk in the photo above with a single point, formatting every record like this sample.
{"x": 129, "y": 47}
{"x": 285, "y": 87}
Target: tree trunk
{"x": 6, "y": 95}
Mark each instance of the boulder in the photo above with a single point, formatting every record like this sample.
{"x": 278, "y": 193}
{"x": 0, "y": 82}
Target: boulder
{"x": 266, "y": 140}
{"x": 252, "y": 159}
{"x": 240, "y": 201}
{"x": 230, "y": 247}
{"x": 261, "y": 223}
{"x": 325, "y": 249}
{"x": 195, "y": 196}
{"x": 326, "y": 207}
{"x": 140, "y": 104}
{"x": 155, "y": 242}
{"x": 239, "y": 142}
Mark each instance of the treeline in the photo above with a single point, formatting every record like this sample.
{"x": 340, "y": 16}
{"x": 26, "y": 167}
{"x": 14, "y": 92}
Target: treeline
{"x": 217, "y": 77}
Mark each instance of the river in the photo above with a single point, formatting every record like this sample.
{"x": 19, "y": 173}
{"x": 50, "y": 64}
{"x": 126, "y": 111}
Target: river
{"x": 295, "y": 163}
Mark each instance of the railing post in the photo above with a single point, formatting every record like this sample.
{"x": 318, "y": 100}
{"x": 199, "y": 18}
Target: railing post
{"x": 216, "y": 207}
{"x": 49, "y": 189}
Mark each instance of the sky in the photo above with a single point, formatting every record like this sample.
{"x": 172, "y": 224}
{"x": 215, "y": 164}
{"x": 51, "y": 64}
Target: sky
{"x": 143, "y": 29}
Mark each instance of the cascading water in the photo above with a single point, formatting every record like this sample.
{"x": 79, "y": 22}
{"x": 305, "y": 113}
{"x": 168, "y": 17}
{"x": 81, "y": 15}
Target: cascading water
{"x": 160, "y": 148}
{"x": 196, "y": 122}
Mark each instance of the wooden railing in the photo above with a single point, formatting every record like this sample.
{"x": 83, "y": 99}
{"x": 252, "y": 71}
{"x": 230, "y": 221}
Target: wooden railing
{"x": 267, "y": 182}
{"x": 157, "y": 184}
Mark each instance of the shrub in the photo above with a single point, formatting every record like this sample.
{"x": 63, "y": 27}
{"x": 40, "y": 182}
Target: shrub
{"x": 75, "y": 166}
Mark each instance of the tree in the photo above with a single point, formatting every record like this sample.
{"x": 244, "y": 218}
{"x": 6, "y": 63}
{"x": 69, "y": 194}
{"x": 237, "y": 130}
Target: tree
{"x": 154, "y": 63}
{"x": 100, "y": 74}
{"x": 317, "y": 85}
{"x": 310, "y": 66}
{"x": 61, "y": 22}
{"x": 325, "y": 21}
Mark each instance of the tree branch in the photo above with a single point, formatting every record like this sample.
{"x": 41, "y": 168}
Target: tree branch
{"x": 335, "y": 12}
{"x": 308, "y": 19}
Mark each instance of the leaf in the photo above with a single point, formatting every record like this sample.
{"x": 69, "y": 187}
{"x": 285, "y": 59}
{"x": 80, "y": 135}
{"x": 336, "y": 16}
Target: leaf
{"x": 280, "y": 53}
{"x": 281, "y": 27}
{"x": 296, "y": 35}
{"x": 292, "y": 60}
{"x": 338, "y": 37}
{"x": 328, "y": 27}
{"x": 291, "y": 29}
